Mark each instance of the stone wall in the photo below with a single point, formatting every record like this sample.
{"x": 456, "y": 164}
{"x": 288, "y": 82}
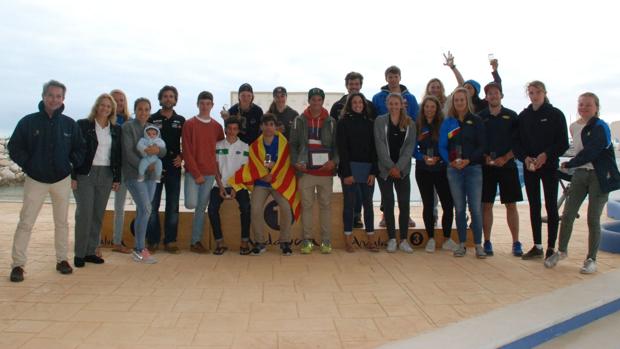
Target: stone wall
{"x": 10, "y": 173}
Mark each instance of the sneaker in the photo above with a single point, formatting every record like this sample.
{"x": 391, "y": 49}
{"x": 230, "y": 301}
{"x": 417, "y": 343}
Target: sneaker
{"x": 143, "y": 257}
{"x": 488, "y": 247}
{"x": 449, "y": 245}
{"x": 172, "y": 248}
{"x": 306, "y": 247}
{"x": 554, "y": 259}
{"x": 382, "y": 221}
{"x": 430, "y": 245}
{"x": 258, "y": 249}
{"x": 357, "y": 223}
{"x": 481, "y": 252}
{"x": 286, "y": 249}
{"x": 411, "y": 223}
{"x": 589, "y": 266}
{"x": 517, "y": 250}
{"x": 197, "y": 248}
{"x": 326, "y": 247}
{"x": 405, "y": 247}
{"x": 549, "y": 252}
{"x": 535, "y": 252}
{"x": 391, "y": 246}
{"x": 64, "y": 268}
{"x": 78, "y": 262}
{"x": 17, "y": 274}
{"x": 93, "y": 259}
{"x": 460, "y": 250}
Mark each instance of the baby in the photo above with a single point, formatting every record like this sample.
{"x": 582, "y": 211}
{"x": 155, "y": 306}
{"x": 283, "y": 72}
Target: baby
{"x": 151, "y": 137}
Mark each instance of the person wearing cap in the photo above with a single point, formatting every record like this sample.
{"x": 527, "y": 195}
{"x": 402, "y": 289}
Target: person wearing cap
{"x": 499, "y": 167}
{"x": 200, "y": 135}
{"x": 249, "y": 113}
{"x": 353, "y": 82}
{"x": 472, "y": 86}
{"x": 314, "y": 156}
{"x": 170, "y": 124}
{"x": 283, "y": 112}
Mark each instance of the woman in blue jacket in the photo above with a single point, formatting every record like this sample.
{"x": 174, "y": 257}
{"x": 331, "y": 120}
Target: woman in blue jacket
{"x": 462, "y": 144}
{"x": 596, "y": 175}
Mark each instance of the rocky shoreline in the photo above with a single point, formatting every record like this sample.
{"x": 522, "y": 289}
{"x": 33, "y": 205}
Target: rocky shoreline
{"x": 10, "y": 173}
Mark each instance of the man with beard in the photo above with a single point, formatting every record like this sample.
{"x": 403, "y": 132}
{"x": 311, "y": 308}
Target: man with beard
{"x": 170, "y": 125}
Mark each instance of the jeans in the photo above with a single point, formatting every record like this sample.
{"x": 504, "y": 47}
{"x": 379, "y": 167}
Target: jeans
{"x": 583, "y": 183}
{"x": 466, "y": 189}
{"x": 431, "y": 185}
{"x": 357, "y": 212}
{"x": 243, "y": 199}
{"x": 172, "y": 181}
{"x": 350, "y": 193}
{"x": 119, "y": 213}
{"x": 550, "y": 181}
{"x": 142, "y": 194}
{"x": 197, "y": 197}
{"x": 403, "y": 192}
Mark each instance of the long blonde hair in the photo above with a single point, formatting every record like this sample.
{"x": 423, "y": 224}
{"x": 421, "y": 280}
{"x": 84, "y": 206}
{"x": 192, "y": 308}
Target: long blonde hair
{"x": 126, "y": 114}
{"x": 403, "y": 119}
{"x": 442, "y": 99}
{"x": 452, "y": 111}
{"x": 98, "y": 101}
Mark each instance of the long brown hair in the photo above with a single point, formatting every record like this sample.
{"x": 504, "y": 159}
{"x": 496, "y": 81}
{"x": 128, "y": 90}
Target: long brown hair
{"x": 347, "y": 106}
{"x": 437, "y": 118}
{"x": 539, "y": 85}
{"x": 403, "y": 119}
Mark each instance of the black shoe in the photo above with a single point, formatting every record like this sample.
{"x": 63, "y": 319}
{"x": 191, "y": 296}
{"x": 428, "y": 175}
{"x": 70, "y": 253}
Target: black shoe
{"x": 93, "y": 259}
{"x": 535, "y": 252}
{"x": 17, "y": 274}
{"x": 258, "y": 249}
{"x": 78, "y": 262}
{"x": 64, "y": 268}
{"x": 286, "y": 249}
{"x": 357, "y": 223}
{"x": 549, "y": 252}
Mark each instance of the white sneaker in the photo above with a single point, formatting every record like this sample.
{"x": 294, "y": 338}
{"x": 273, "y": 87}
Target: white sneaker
{"x": 430, "y": 245}
{"x": 405, "y": 247}
{"x": 553, "y": 260}
{"x": 589, "y": 266}
{"x": 143, "y": 257}
{"x": 391, "y": 246}
{"x": 449, "y": 245}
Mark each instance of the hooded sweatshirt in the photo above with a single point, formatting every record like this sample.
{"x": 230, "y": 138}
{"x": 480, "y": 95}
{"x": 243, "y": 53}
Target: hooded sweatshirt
{"x": 131, "y": 135}
{"x": 309, "y": 134}
{"x": 379, "y": 100}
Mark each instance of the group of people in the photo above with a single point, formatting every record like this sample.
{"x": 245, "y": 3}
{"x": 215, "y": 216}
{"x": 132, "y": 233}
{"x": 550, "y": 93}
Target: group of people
{"x": 465, "y": 147}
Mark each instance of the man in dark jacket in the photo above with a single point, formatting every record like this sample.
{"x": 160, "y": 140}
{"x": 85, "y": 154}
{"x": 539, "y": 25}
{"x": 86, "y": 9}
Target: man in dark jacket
{"x": 170, "y": 125}
{"x": 47, "y": 145}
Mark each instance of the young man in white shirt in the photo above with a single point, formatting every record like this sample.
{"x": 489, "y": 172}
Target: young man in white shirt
{"x": 231, "y": 154}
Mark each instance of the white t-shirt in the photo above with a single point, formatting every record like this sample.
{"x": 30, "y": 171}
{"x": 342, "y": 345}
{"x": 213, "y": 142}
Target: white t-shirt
{"x": 104, "y": 148}
{"x": 230, "y": 158}
{"x": 575, "y": 132}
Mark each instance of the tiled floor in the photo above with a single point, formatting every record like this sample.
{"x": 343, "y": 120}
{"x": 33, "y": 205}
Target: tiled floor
{"x": 341, "y": 300}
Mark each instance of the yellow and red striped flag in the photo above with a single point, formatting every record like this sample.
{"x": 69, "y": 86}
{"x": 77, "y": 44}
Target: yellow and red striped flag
{"x": 283, "y": 178}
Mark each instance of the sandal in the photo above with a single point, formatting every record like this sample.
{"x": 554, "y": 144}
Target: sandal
{"x": 121, "y": 249}
{"x": 372, "y": 244}
{"x": 220, "y": 250}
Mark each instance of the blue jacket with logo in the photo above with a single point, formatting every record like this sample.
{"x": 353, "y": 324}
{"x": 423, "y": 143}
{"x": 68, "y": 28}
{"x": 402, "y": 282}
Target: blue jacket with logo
{"x": 599, "y": 150}
{"x": 47, "y": 149}
{"x": 469, "y": 135}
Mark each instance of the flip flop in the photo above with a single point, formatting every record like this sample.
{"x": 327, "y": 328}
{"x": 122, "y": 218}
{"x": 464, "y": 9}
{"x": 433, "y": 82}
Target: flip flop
{"x": 244, "y": 251}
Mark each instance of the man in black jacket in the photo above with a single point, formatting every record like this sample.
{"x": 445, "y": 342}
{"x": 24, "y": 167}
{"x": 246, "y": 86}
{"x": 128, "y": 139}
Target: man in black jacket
{"x": 47, "y": 145}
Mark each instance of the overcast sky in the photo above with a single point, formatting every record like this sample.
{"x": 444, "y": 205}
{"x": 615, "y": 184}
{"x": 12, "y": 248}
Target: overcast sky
{"x": 139, "y": 46}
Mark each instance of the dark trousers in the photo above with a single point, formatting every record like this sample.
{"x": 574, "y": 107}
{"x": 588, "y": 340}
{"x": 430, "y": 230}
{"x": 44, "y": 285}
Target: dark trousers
{"x": 171, "y": 180}
{"x": 428, "y": 183}
{"x": 357, "y": 213}
{"x": 550, "y": 181}
{"x": 243, "y": 199}
{"x": 350, "y": 194}
{"x": 403, "y": 192}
